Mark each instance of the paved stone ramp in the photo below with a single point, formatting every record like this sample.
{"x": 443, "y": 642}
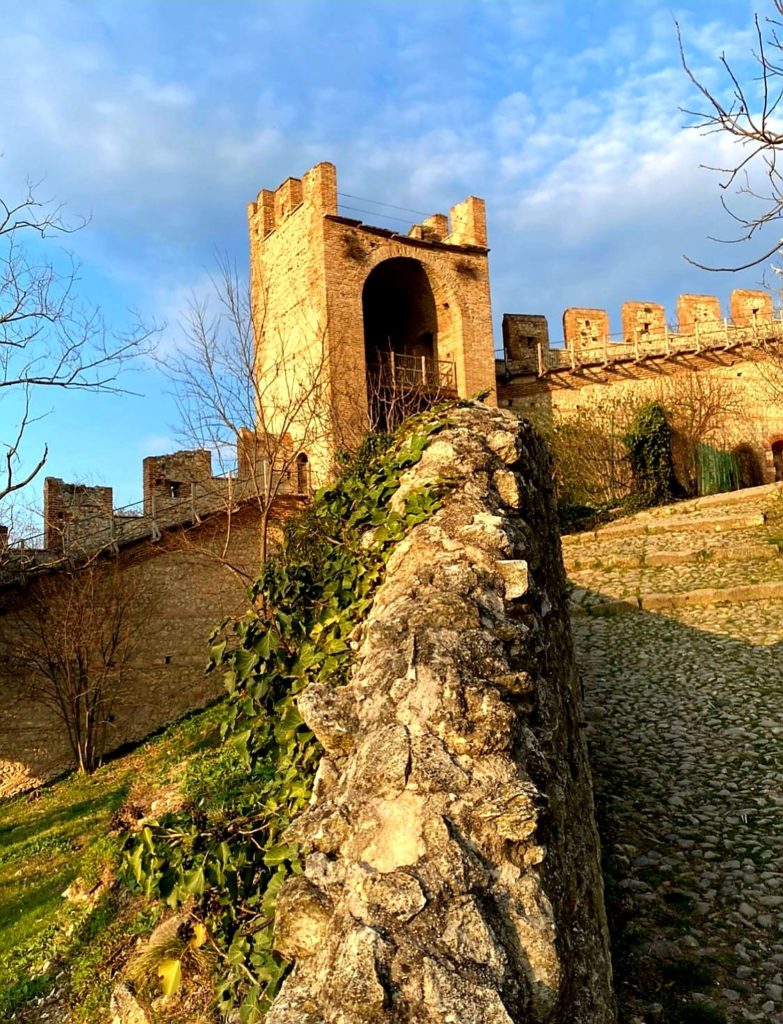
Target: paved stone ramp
{"x": 684, "y": 710}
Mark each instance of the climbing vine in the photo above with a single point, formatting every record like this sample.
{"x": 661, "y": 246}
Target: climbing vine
{"x": 227, "y": 855}
{"x": 649, "y": 444}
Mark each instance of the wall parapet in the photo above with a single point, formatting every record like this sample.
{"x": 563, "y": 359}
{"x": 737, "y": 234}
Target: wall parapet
{"x": 465, "y": 226}
{"x": 178, "y": 488}
{"x": 645, "y": 333}
{"x": 451, "y": 865}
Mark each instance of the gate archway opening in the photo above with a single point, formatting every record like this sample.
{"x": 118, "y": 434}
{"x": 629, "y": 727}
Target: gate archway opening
{"x": 400, "y": 313}
{"x": 750, "y": 472}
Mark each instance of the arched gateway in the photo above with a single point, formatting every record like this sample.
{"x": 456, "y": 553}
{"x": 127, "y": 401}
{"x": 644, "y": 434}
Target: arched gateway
{"x": 402, "y": 338}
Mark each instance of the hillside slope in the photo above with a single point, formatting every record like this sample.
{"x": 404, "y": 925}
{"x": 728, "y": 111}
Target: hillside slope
{"x": 66, "y": 925}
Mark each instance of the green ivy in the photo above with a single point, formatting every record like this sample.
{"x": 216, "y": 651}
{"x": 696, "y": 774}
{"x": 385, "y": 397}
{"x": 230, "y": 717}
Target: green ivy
{"x": 228, "y": 852}
{"x": 649, "y": 444}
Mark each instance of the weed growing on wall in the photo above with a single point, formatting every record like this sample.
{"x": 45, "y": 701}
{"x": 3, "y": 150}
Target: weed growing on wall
{"x": 226, "y": 855}
{"x": 649, "y": 444}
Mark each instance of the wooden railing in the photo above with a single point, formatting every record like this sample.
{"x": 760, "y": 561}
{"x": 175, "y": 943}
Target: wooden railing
{"x": 643, "y": 345}
{"x": 400, "y": 372}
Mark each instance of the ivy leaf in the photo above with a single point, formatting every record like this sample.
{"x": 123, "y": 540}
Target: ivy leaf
{"x": 272, "y": 890}
{"x": 275, "y": 855}
{"x": 170, "y": 976}
{"x": 288, "y": 724}
{"x": 244, "y": 662}
{"x": 216, "y": 653}
{"x": 193, "y": 881}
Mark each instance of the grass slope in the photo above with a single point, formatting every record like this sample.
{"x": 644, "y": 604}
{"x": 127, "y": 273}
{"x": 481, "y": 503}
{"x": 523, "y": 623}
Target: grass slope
{"x": 65, "y": 949}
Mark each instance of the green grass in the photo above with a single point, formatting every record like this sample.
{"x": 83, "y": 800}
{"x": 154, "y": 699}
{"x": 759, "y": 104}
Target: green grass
{"x": 63, "y": 832}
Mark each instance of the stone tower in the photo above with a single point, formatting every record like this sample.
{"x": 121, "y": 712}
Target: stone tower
{"x": 365, "y": 312}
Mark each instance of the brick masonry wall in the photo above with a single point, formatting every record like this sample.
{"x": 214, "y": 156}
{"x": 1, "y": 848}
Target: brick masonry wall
{"x": 309, "y": 267}
{"x": 755, "y": 416}
{"x": 180, "y": 589}
{"x": 459, "y": 278}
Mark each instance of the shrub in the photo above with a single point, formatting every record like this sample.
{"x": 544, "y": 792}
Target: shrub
{"x": 649, "y": 444}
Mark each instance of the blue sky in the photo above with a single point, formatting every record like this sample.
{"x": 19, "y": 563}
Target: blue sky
{"x": 160, "y": 119}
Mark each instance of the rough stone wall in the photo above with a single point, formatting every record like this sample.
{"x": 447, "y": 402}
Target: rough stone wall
{"x": 452, "y": 868}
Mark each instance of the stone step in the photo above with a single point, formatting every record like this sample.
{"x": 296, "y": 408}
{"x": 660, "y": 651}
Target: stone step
{"x": 678, "y": 524}
{"x": 731, "y": 553}
{"x": 770, "y": 590}
{"x": 761, "y": 495}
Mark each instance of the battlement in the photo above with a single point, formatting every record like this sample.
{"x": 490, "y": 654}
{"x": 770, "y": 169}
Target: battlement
{"x": 167, "y": 479}
{"x": 66, "y": 506}
{"x": 588, "y": 341}
{"x": 178, "y": 489}
{"x": 317, "y": 189}
{"x": 466, "y": 225}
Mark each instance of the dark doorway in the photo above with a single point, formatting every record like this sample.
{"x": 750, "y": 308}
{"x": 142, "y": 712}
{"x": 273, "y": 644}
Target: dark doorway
{"x": 750, "y": 474}
{"x": 777, "y": 459}
{"x": 399, "y": 310}
{"x": 404, "y": 374}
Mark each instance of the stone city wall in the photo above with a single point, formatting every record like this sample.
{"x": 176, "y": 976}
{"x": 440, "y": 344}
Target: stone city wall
{"x": 725, "y": 371}
{"x": 177, "y": 589}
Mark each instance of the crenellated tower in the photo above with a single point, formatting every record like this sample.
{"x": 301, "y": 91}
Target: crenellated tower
{"x": 363, "y": 316}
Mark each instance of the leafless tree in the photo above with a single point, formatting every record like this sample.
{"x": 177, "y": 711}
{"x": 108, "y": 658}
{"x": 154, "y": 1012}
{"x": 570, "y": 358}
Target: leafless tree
{"x": 71, "y": 637}
{"x": 590, "y": 458}
{"x": 49, "y": 339}
{"x": 259, "y": 413}
{"x": 751, "y": 118}
{"x": 702, "y": 405}
{"x": 702, "y": 408}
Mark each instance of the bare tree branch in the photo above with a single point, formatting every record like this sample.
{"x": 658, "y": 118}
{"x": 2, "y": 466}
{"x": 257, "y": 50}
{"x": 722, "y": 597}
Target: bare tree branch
{"x": 75, "y": 632}
{"x": 48, "y": 337}
{"x": 750, "y": 121}
{"x": 260, "y": 413}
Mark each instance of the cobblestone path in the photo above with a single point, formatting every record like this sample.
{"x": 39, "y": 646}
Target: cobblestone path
{"x": 684, "y": 715}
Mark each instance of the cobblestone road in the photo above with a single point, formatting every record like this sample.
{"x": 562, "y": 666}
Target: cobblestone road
{"x": 685, "y": 725}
